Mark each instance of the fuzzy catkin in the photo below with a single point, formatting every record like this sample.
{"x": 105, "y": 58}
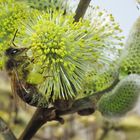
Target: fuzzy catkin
{"x": 130, "y": 61}
{"x": 122, "y": 98}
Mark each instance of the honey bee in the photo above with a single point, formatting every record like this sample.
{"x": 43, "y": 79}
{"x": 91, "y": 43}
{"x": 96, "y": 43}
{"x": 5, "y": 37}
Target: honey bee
{"x": 20, "y": 87}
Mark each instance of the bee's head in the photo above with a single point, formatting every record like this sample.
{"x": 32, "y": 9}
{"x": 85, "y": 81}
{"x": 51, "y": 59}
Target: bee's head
{"x": 13, "y": 51}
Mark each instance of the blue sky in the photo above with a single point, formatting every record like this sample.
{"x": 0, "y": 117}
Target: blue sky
{"x": 124, "y": 11}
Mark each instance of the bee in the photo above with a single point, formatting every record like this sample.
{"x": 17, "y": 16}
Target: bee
{"x": 20, "y": 87}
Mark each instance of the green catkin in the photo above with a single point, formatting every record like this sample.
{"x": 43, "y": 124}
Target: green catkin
{"x": 44, "y": 5}
{"x": 131, "y": 55}
{"x": 122, "y": 99}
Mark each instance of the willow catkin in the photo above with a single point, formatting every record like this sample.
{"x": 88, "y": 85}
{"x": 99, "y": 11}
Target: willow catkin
{"x": 130, "y": 60}
{"x": 122, "y": 98}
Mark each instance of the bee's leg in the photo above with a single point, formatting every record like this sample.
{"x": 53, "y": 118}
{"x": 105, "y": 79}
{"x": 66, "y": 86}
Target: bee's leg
{"x": 45, "y": 77}
{"x": 14, "y": 38}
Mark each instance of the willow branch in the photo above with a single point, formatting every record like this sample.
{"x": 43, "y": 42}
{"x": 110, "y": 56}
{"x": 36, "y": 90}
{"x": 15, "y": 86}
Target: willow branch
{"x": 81, "y": 9}
{"x": 40, "y": 117}
{"x": 6, "y": 131}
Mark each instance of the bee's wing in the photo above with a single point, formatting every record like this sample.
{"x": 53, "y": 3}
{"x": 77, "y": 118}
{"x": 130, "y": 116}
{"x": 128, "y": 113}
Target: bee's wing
{"x": 15, "y": 86}
{"x": 13, "y": 82}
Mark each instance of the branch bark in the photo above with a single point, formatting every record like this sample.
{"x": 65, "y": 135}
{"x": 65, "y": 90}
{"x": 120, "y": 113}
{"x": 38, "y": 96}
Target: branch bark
{"x": 81, "y": 9}
{"x": 40, "y": 117}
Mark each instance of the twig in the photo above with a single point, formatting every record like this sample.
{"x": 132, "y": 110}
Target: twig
{"x": 6, "y": 131}
{"x": 40, "y": 117}
{"x": 81, "y": 9}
